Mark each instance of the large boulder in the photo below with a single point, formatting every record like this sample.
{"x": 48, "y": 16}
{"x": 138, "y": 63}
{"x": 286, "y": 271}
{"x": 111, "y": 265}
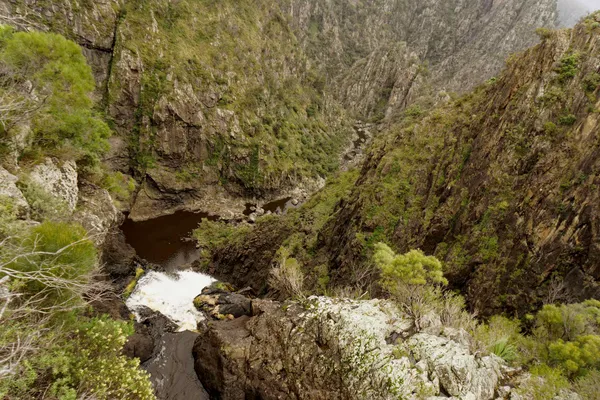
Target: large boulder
{"x": 96, "y": 212}
{"x": 330, "y": 349}
{"x": 8, "y": 188}
{"x": 58, "y": 180}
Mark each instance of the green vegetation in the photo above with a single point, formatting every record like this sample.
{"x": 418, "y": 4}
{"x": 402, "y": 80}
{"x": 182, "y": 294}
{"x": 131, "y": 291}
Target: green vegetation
{"x": 410, "y": 279}
{"x": 139, "y": 272}
{"x": 51, "y": 345}
{"x": 120, "y": 186}
{"x": 591, "y": 82}
{"x": 242, "y": 54}
{"x": 43, "y": 206}
{"x": 47, "y": 81}
{"x": 561, "y": 348}
{"x": 210, "y": 235}
{"x": 569, "y": 67}
{"x": 544, "y": 33}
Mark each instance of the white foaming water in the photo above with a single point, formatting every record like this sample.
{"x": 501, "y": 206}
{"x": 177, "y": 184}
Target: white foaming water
{"x": 171, "y": 295}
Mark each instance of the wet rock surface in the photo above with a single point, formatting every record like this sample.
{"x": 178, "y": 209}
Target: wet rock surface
{"x": 167, "y": 355}
{"x": 172, "y": 368}
{"x": 218, "y": 301}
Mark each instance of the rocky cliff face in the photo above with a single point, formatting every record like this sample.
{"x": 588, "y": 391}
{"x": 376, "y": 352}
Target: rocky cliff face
{"x": 242, "y": 99}
{"x": 461, "y": 43}
{"x": 500, "y": 185}
{"x": 341, "y": 349}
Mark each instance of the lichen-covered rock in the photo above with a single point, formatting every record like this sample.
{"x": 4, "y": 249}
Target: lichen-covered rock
{"x": 96, "y": 212}
{"x": 9, "y": 189}
{"x": 336, "y": 349}
{"x": 459, "y": 372}
{"x": 58, "y": 180}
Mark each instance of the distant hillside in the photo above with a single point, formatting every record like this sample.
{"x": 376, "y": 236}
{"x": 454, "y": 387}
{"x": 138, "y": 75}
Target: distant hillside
{"x": 570, "y": 11}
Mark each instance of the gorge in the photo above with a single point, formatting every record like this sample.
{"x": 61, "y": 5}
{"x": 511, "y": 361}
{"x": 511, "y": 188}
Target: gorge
{"x": 299, "y": 199}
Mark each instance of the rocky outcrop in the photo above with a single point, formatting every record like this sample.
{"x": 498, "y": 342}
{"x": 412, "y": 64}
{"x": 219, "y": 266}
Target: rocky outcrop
{"x": 8, "y": 188}
{"x": 58, "y": 180}
{"x": 96, "y": 212}
{"x": 385, "y": 81}
{"x": 337, "y": 349}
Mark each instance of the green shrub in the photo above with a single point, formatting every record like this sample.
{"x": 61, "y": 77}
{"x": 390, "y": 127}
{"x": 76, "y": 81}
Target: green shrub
{"x": 550, "y": 128}
{"x": 60, "y": 259}
{"x": 500, "y": 336}
{"x": 545, "y": 383}
{"x": 61, "y": 113}
{"x": 567, "y": 321}
{"x": 568, "y": 67}
{"x": 213, "y": 234}
{"x": 43, "y": 205}
{"x": 91, "y": 362}
{"x": 504, "y": 349}
{"x": 567, "y": 119}
{"x": 120, "y": 186}
{"x": 412, "y": 268}
{"x": 588, "y": 386}
{"x": 544, "y": 33}
{"x": 576, "y": 357}
{"x": 591, "y": 82}
{"x": 411, "y": 279}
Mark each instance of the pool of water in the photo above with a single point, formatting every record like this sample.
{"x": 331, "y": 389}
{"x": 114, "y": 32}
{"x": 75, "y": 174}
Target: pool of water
{"x": 163, "y": 240}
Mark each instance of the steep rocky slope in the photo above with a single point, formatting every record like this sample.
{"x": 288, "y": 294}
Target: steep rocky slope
{"x": 216, "y": 102}
{"x": 460, "y": 42}
{"x": 501, "y": 185}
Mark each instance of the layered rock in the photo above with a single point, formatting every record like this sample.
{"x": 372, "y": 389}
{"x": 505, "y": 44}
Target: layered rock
{"x": 96, "y": 212}
{"x": 461, "y": 42}
{"x": 337, "y": 349}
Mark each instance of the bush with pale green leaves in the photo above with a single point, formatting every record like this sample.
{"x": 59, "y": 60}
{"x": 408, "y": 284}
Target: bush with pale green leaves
{"x": 412, "y": 279}
{"x": 47, "y": 79}
{"x": 51, "y": 346}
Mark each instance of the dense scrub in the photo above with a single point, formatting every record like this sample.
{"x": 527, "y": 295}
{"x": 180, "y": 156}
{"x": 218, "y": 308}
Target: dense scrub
{"x": 50, "y": 341}
{"x": 45, "y": 89}
{"x": 230, "y": 77}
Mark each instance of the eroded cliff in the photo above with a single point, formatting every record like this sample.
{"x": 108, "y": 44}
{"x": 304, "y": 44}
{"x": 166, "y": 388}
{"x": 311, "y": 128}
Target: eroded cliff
{"x": 213, "y": 103}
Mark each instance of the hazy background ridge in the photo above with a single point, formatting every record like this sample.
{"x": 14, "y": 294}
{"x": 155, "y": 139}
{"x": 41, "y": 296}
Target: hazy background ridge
{"x": 570, "y": 11}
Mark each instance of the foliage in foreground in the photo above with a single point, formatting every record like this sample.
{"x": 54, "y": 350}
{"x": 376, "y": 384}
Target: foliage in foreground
{"x": 51, "y": 345}
{"x": 561, "y": 348}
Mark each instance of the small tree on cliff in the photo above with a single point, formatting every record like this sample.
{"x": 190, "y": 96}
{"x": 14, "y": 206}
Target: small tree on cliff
{"x": 412, "y": 279}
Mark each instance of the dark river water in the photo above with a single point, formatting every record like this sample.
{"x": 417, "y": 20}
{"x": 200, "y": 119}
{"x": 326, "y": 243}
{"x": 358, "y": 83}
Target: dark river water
{"x": 161, "y": 240}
